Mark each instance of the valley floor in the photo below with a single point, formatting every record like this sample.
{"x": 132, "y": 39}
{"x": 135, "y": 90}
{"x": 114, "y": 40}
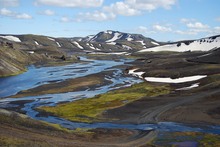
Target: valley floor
{"x": 145, "y": 102}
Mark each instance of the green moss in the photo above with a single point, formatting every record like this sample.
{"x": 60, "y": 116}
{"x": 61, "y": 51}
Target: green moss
{"x": 88, "y": 110}
{"x": 210, "y": 140}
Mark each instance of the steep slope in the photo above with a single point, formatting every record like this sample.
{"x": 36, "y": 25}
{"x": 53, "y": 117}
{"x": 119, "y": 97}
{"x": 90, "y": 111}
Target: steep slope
{"x": 13, "y": 61}
{"x": 18, "y": 51}
{"x": 204, "y": 44}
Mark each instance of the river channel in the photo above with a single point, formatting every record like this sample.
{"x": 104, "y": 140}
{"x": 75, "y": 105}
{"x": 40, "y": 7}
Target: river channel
{"x": 36, "y": 76}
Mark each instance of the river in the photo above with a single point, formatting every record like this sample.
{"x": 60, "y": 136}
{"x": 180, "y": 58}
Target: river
{"x": 36, "y": 76}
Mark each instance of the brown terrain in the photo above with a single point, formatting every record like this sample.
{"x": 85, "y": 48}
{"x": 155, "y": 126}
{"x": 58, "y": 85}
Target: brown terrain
{"x": 20, "y": 130}
{"x": 198, "y": 105}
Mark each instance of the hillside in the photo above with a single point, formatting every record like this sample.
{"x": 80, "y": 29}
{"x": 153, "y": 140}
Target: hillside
{"x": 13, "y": 61}
{"x": 18, "y": 51}
{"x": 203, "y": 44}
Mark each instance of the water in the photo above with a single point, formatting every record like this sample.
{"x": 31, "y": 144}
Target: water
{"x": 38, "y": 76}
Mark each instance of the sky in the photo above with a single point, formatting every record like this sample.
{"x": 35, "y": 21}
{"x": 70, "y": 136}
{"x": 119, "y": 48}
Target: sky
{"x": 162, "y": 20}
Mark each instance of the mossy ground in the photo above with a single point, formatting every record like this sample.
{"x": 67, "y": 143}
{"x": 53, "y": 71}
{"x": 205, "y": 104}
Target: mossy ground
{"x": 91, "y": 109}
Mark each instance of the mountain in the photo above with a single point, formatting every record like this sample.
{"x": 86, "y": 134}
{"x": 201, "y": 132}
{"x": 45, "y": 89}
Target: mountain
{"x": 114, "y": 41}
{"x": 18, "y": 51}
{"x": 203, "y": 44}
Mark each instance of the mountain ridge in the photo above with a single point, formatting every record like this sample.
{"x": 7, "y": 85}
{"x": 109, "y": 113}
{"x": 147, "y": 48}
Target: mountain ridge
{"x": 28, "y": 49}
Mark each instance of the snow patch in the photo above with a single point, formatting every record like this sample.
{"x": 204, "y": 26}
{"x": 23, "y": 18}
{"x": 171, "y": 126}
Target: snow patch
{"x": 115, "y": 37}
{"x": 197, "y": 45}
{"x": 190, "y": 87}
{"x": 36, "y": 42}
{"x": 155, "y": 43}
{"x": 111, "y": 43}
{"x": 92, "y": 47}
{"x": 11, "y": 38}
{"x": 51, "y": 39}
{"x": 78, "y": 45}
{"x": 129, "y": 38}
{"x": 136, "y": 74}
{"x": 178, "y": 80}
{"x": 58, "y": 44}
{"x": 108, "y": 32}
{"x": 142, "y": 42}
{"x": 126, "y": 47}
{"x": 31, "y": 52}
{"x": 93, "y": 38}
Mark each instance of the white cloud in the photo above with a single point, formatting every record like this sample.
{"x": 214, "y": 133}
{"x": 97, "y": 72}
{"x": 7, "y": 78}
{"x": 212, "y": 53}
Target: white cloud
{"x": 150, "y": 5}
{"x": 121, "y": 8}
{"x": 161, "y": 28}
{"x": 47, "y": 12}
{"x": 6, "y": 12}
{"x": 218, "y": 19}
{"x": 217, "y": 29}
{"x": 71, "y": 3}
{"x": 186, "y": 20}
{"x": 125, "y": 8}
{"x": 197, "y": 25}
{"x": 9, "y": 3}
{"x": 142, "y": 29}
{"x": 65, "y": 19}
{"x": 193, "y": 24}
{"x": 189, "y": 32}
{"x": 23, "y": 16}
{"x": 193, "y": 27}
{"x": 9, "y": 13}
{"x": 95, "y": 16}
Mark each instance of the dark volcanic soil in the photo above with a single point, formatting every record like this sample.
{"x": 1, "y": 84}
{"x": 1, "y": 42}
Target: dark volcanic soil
{"x": 197, "y": 105}
{"x": 187, "y": 108}
{"x": 19, "y": 130}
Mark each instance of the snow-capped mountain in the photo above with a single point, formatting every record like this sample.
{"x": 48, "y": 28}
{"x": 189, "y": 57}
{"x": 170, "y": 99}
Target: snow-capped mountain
{"x": 204, "y": 44}
{"x": 114, "y": 37}
{"x": 109, "y": 41}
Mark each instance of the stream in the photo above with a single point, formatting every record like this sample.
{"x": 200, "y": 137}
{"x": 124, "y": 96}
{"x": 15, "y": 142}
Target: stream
{"x": 36, "y": 76}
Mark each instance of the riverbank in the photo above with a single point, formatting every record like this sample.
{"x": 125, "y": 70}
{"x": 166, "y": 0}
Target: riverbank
{"x": 147, "y": 102}
{"x": 14, "y": 126}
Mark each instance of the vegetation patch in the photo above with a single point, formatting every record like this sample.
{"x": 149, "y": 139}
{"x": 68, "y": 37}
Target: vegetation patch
{"x": 89, "y": 110}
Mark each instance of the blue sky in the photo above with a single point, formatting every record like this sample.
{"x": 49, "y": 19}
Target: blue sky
{"x": 162, "y": 20}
